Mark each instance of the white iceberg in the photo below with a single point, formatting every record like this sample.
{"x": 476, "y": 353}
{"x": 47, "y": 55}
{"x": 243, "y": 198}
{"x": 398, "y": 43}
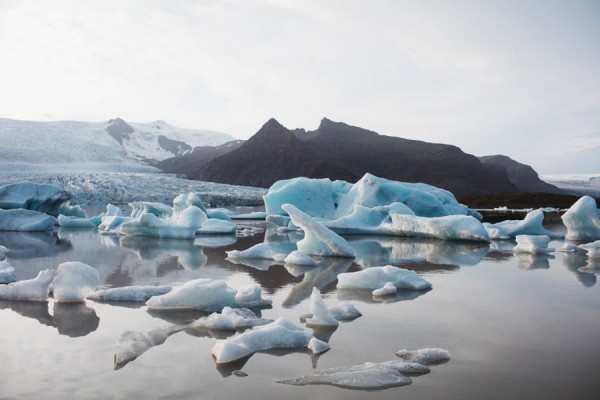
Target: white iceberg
{"x": 129, "y": 293}
{"x": 593, "y": 249}
{"x": 148, "y": 207}
{"x": 230, "y": 319}
{"x": 426, "y": 356}
{"x": 74, "y": 281}
{"x": 534, "y": 244}
{"x": 530, "y": 225}
{"x": 217, "y": 226}
{"x": 25, "y": 221}
{"x": 344, "y": 312}
{"x": 43, "y": 198}
{"x": 111, "y": 223}
{"x": 276, "y": 335}
{"x": 388, "y": 289}
{"x": 6, "y": 272}
{"x": 181, "y": 225}
{"x": 206, "y": 295}
{"x": 376, "y": 277}
{"x": 318, "y": 240}
{"x": 321, "y": 316}
{"x": 220, "y": 213}
{"x": 452, "y": 227}
{"x": 367, "y": 221}
{"x": 184, "y": 201}
{"x": 299, "y": 258}
{"x": 35, "y": 289}
{"x": 582, "y": 221}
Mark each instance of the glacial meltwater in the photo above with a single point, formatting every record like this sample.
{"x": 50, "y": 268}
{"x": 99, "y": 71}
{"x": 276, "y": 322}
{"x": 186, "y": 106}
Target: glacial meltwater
{"x": 517, "y": 326}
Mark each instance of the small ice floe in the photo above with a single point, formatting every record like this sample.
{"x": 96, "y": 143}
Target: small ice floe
{"x": 129, "y": 293}
{"x": 182, "y": 225}
{"x": 582, "y": 221}
{"x": 25, "y": 221}
{"x": 318, "y": 240}
{"x": 534, "y": 244}
{"x": 217, "y": 226}
{"x": 569, "y": 248}
{"x": 388, "y": 289}
{"x": 530, "y": 225}
{"x": 133, "y": 344}
{"x": 279, "y": 334}
{"x": 593, "y": 249}
{"x": 220, "y": 213}
{"x": 74, "y": 281}
{"x": 208, "y": 295}
{"x": 263, "y": 251}
{"x": 255, "y": 215}
{"x": 344, "y": 312}
{"x": 320, "y": 314}
{"x": 6, "y": 271}
{"x": 376, "y": 277}
{"x": 230, "y": 319}
{"x": 299, "y": 258}
{"x": 75, "y": 222}
{"x": 451, "y": 227}
{"x": 426, "y": 356}
{"x": 35, "y": 289}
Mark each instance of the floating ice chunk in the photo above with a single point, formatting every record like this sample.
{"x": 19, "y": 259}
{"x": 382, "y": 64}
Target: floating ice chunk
{"x": 184, "y": 201}
{"x": 25, "y": 221}
{"x": 220, "y": 213}
{"x": 376, "y": 277}
{"x": 344, "y": 312}
{"x": 315, "y": 197}
{"x": 133, "y": 344}
{"x": 582, "y": 220}
{"x": 263, "y": 251}
{"x": 317, "y": 346}
{"x": 255, "y": 215}
{"x": 206, "y": 295}
{"x": 299, "y": 258}
{"x": 318, "y": 240}
{"x": 407, "y": 367}
{"x": 35, "y": 289}
{"x": 452, "y": 227}
{"x": 531, "y": 225}
{"x": 593, "y": 249}
{"x": 248, "y": 293}
{"x": 230, "y": 319}
{"x": 388, "y": 289}
{"x": 426, "y": 356}
{"x": 129, "y": 293}
{"x": 368, "y": 376}
{"x": 112, "y": 222}
{"x": 276, "y": 335}
{"x": 6, "y": 272}
{"x": 569, "y": 248}
{"x": 74, "y": 281}
{"x": 33, "y": 196}
{"x": 182, "y": 225}
{"x": 320, "y": 314}
{"x": 217, "y": 226}
{"x": 534, "y": 244}
{"x": 147, "y": 207}
{"x": 75, "y": 222}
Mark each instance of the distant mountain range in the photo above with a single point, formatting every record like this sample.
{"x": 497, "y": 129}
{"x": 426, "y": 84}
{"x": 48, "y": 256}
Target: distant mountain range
{"x": 340, "y": 151}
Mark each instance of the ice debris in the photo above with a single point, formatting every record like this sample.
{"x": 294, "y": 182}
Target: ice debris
{"x": 276, "y": 335}
{"x": 207, "y": 295}
{"x": 35, "y": 289}
{"x": 25, "y": 221}
{"x": 74, "y": 281}
{"x": 534, "y": 244}
{"x": 426, "y": 356}
{"x": 129, "y": 293}
{"x": 376, "y": 277}
{"x": 582, "y": 221}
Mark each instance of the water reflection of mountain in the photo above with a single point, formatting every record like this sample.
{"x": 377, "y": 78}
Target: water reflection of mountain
{"x": 72, "y": 320}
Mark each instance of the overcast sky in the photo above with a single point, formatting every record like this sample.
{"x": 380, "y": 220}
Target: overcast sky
{"x": 520, "y": 78}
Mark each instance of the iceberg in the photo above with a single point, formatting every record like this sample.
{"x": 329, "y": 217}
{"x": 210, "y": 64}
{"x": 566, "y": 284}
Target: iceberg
{"x": 276, "y": 335}
{"x": 376, "y": 277}
{"x": 129, "y": 293}
{"x": 181, "y": 225}
{"x": 148, "y": 207}
{"x": 451, "y": 227}
{"x": 67, "y": 209}
{"x": 75, "y": 222}
{"x": 220, "y": 213}
{"x": 344, "y": 312}
{"x": 217, "y": 226}
{"x": 367, "y": 221}
{"x": 299, "y": 258}
{"x": 534, "y": 244}
{"x": 426, "y": 356}
{"x": 263, "y": 251}
{"x": 43, "y": 198}
{"x": 35, "y": 289}
{"x": 184, "y": 201}
{"x": 74, "y": 281}
{"x": 6, "y": 272}
{"x": 318, "y": 240}
{"x": 582, "y": 221}
{"x": 530, "y": 225}
{"x": 230, "y": 319}
{"x": 25, "y": 221}
{"x": 207, "y": 295}
{"x": 593, "y": 249}
{"x": 321, "y": 316}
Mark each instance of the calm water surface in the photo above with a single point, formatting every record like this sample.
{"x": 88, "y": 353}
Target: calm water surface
{"x": 517, "y": 327}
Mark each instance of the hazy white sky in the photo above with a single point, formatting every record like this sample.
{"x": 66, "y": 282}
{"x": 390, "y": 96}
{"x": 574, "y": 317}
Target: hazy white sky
{"x": 520, "y": 78}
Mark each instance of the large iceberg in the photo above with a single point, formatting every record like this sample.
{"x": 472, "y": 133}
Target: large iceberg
{"x": 276, "y": 335}
{"x": 74, "y": 281}
{"x": 25, "y": 221}
{"x": 451, "y": 227}
{"x": 530, "y": 225}
{"x": 82, "y": 222}
{"x": 33, "y": 196}
{"x": 129, "y": 293}
{"x": 35, "y": 289}
{"x": 318, "y": 240}
{"x": 582, "y": 220}
{"x": 182, "y": 225}
{"x": 376, "y": 277}
{"x": 207, "y": 295}
{"x": 367, "y": 221}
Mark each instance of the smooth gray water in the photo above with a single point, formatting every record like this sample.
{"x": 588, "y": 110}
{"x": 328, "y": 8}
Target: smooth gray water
{"x": 517, "y": 327}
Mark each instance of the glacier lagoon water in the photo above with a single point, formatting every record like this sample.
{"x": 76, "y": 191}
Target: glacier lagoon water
{"x": 517, "y": 326}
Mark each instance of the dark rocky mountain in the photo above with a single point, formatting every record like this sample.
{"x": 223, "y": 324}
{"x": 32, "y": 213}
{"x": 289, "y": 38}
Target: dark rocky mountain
{"x": 521, "y": 175}
{"x": 191, "y": 163}
{"x": 273, "y": 153}
{"x": 119, "y": 130}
